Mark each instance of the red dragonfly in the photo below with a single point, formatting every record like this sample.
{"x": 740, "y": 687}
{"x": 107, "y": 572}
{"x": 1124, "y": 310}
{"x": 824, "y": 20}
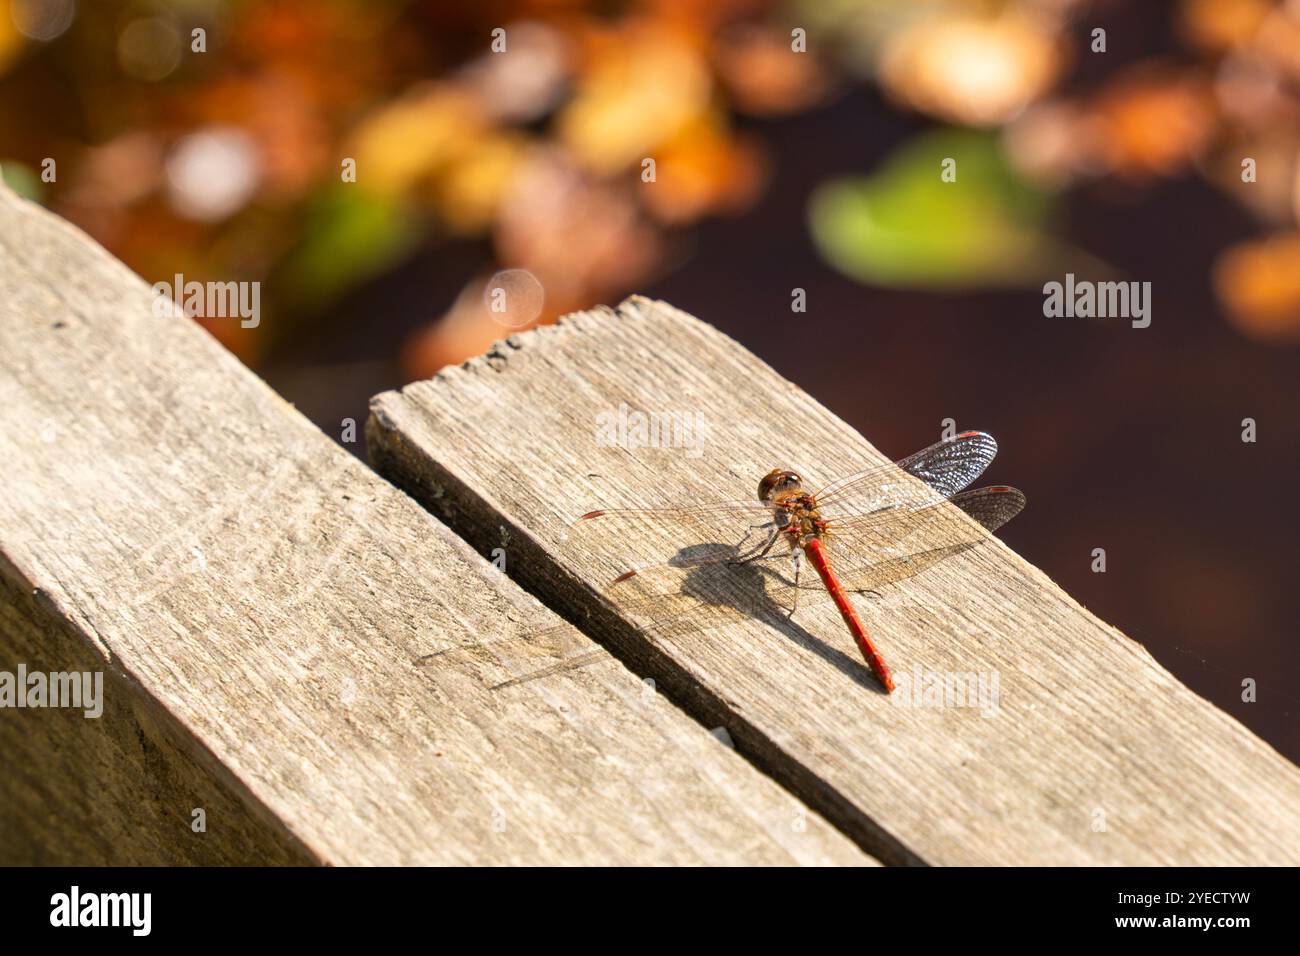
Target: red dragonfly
{"x": 859, "y": 533}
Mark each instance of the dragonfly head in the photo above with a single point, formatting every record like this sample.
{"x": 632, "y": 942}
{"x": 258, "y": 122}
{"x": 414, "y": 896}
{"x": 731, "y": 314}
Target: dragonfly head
{"x": 777, "y": 483}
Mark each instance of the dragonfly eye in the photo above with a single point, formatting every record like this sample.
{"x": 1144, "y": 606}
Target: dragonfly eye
{"x": 776, "y": 481}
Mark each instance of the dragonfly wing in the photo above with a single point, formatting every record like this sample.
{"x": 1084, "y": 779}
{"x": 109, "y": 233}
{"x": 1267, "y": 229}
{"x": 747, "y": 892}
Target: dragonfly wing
{"x": 993, "y": 506}
{"x": 951, "y": 465}
{"x": 666, "y": 602}
{"x": 681, "y": 600}
{"x": 672, "y": 570}
{"x": 871, "y": 551}
{"x": 943, "y": 469}
{"x": 614, "y": 541}
{"x": 715, "y": 533}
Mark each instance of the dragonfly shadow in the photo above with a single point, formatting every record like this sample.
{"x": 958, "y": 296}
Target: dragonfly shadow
{"x": 723, "y": 591}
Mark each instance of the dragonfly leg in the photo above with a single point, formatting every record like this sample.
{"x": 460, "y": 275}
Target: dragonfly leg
{"x": 740, "y": 545}
{"x": 758, "y": 552}
{"x": 797, "y": 557}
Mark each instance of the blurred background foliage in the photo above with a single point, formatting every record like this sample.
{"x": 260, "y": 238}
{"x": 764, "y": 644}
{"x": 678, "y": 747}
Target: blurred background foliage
{"x": 775, "y": 170}
{"x": 227, "y": 162}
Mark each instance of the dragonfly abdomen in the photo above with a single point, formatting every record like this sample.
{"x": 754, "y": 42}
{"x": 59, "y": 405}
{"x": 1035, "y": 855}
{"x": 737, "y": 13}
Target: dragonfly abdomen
{"x": 817, "y": 558}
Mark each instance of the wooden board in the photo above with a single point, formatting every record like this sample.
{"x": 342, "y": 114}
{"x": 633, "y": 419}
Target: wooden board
{"x": 1092, "y": 753}
{"x": 270, "y": 614}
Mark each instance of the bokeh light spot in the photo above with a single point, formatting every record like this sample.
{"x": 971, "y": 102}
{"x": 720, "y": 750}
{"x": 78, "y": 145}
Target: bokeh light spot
{"x": 514, "y": 298}
{"x": 42, "y": 20}
{"x": 212, "y": 173}
{"x": 149, "y": 49}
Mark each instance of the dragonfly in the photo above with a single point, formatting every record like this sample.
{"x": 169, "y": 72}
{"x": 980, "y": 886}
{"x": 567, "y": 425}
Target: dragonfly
{"x": 707, "y": 565}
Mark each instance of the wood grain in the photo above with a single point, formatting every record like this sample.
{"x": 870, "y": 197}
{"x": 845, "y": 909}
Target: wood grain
{"x": 270, "y": 615}
{"x": 118, "y": 789}
{"x": 1093, "y": 753}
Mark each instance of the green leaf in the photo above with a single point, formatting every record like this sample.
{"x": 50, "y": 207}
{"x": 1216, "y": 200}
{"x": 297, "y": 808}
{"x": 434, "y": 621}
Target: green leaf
{"x": 22, "y": 179}
{"x": 904, "y": 226}
{"x": 349, "y": 235}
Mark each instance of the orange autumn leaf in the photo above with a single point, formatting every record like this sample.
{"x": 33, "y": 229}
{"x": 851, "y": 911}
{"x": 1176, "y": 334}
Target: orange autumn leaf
{"x": 1258, "y": 283}
{"x": 407, "y": 140}
{"x": 469, "y": 189}
{"x": 764, "y": 75}
{"x": 632, "y": 97}
{"x": 1216, "y": 26}
{"x": 1152, "y": 122}
{"x": 701, "y": 171}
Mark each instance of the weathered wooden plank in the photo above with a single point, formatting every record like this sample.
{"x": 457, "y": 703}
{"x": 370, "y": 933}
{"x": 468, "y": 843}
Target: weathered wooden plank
{"x": 265, "y": 608}
{"x": 120, "y": 788}
{"x": 1093, "y": 754}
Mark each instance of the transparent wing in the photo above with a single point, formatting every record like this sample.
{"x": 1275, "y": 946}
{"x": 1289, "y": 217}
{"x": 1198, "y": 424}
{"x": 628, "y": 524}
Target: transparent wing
{"x": 673, "y": 572}
{"x": 685, "y": 600}
{"x": 993, "y": 506}
{"x": 866, "y": 552}
{"x": 944, "y": 469}
{"x": 873, "y": 551}
{"x": 626, "y": 538}
{"x": 610, "y": 542}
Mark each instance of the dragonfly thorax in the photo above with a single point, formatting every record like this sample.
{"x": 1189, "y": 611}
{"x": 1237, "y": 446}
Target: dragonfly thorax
{"x": 794, "y": 510}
